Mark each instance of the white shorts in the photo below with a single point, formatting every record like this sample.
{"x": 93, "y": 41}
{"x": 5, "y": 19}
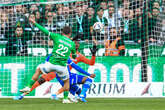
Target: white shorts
{"x": 60, "y": 70}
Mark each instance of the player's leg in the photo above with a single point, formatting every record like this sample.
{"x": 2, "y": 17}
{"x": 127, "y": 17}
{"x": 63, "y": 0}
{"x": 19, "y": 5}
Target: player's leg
{"x": 62, "y": 72}
{"x": 66, "y": 91}
{"x": 55, "y": 96}
{"x": 32, "y": 81}
{"x": 42, "y": 79}
{"x": 86, "y": 85}
{"x": 74, "y": 89}
{"x": 42, "y": 68}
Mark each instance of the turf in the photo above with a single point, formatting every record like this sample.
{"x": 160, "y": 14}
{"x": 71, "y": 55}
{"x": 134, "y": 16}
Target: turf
{"x": 92, "y": 104}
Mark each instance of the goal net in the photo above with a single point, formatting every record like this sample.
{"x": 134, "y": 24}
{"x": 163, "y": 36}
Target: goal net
{"x": 129, "y": 35}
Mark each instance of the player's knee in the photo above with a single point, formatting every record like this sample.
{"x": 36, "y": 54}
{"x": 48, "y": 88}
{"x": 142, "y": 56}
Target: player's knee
{"x": 88, "y": 80}
{"x": 87, "y": 83}
{"x": 41, "y": 80}
{"x": 66, "y": 88}
{"x": 51, "y": 76}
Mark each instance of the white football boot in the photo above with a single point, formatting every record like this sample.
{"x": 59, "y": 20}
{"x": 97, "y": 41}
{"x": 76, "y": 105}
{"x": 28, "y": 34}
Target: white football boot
{"x": 25, "y": 90}
{"x": 64, "y": 101}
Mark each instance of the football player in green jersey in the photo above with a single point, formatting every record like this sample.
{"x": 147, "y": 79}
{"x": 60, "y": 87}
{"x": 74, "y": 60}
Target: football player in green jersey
{"x": 63, "y": 46}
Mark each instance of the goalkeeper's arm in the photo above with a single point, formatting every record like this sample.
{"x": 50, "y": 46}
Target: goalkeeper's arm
{"x": 94, "y": 50}
{"x": 44, "y": 30}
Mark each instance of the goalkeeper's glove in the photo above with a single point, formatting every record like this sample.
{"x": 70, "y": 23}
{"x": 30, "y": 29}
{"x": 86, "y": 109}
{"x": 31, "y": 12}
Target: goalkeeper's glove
{"x": 93, "y": 50}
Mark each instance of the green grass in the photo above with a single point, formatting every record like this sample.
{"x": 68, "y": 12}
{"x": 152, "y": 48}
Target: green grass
{"x": 92, "y": 104}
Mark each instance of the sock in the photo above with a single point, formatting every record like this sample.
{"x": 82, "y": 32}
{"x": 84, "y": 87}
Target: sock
{"x": 44, "y": 78}
{"x": 61, "y": 90}
{"x": 86, "y": 86}
{"x": 31, "y": 83}
{"x": 35, "y": 85}
{"x": 66, "y": 93}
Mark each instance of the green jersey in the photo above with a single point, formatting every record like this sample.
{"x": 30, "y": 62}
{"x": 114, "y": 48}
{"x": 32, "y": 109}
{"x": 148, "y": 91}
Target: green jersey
{"x": 62, "y": 47}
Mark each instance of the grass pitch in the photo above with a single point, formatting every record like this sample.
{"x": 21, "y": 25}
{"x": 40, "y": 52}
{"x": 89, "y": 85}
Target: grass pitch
{"x": 92, "y": 104}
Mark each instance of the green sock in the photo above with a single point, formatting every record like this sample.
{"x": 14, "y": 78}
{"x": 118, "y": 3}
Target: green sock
{"x": 66, "y": 93}
{"x": 31, "y": 83}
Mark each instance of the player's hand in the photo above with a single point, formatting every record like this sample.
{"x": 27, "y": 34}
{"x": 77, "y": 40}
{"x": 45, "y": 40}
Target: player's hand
{"x": 32, "y": 21}
{"x": 92, "y": 75}
{"x": 94, "y": 50}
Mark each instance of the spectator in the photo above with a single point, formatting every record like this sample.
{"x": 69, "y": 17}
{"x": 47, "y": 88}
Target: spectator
{"x": 31, "y": 30}
{"x": 111, "y": 17}
{"x": 156, "y": 4}
{"x": 130, "y": 26}
{"x": 68, "y": 17}
{"x": 4, "y": 25}
{"x": 126, "y": 4}
{"x": 100, "y": 18}
{"x": 20, "y": 16}
{"x": 49, "y": 7}
{"x": 39, "y": 18}
{"x": 152, "y": 24}
{"x": 84, "y": 8}
{"x": 125, "y": 23}
{"x": 33, "y": 8}
{"x": 12, "y": 16}
{"x": 18, "y": 9}
{"x": 49, "y": 24}
{"x": 114, "y": 46}
{"x": 59, "y": 19}
{"x": 79, "y": 26}
{"x": 103, "y": 5}
{"x": 90, "y": 20}
{"x": 17, "y": 45}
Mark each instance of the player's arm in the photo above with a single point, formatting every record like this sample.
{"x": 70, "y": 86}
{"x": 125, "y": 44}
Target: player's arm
{"x": 87, "y": 61}
{"x": 79, "y": 69}
{"x": 44, "y": 30}
{"x": 92, "y": 60}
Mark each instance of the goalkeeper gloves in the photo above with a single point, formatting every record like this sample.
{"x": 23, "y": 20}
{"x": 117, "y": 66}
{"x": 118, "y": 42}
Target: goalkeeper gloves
{"x": 93, "y": 50}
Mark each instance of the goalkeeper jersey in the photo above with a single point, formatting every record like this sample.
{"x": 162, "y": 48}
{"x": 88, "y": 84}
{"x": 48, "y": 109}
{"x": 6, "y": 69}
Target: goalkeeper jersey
{"x": 62, "y": 47}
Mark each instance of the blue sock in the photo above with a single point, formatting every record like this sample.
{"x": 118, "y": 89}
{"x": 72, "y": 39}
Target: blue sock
{"x": 86, "y": 86}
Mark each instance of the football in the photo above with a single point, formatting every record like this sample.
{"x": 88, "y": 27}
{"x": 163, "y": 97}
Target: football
{"x": 98, "y": 27}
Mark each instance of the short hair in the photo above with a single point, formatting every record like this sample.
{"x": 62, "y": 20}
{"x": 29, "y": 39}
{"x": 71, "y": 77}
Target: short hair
{"x": 67, "y": 30}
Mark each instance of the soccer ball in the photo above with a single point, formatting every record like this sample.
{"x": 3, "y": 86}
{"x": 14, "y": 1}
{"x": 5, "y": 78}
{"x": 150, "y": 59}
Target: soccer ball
{"x": 98, "y": 27}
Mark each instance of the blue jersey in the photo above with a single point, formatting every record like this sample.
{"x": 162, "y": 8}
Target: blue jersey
{"x": 74, "y": 78}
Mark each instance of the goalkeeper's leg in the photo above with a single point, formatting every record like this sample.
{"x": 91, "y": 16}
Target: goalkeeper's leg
{"x": 43, "y": 78}
{"x": 33, "y": 83}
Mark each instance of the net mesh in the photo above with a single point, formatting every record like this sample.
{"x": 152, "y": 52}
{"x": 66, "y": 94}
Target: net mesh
{"x": 128, "y": 29}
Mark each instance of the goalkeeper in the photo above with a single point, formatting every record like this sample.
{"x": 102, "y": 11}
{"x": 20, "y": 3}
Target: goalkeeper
{"x": 62, "y": 48}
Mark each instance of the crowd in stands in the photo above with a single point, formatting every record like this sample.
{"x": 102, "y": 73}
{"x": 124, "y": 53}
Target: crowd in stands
{"x": 130, "y": 20}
